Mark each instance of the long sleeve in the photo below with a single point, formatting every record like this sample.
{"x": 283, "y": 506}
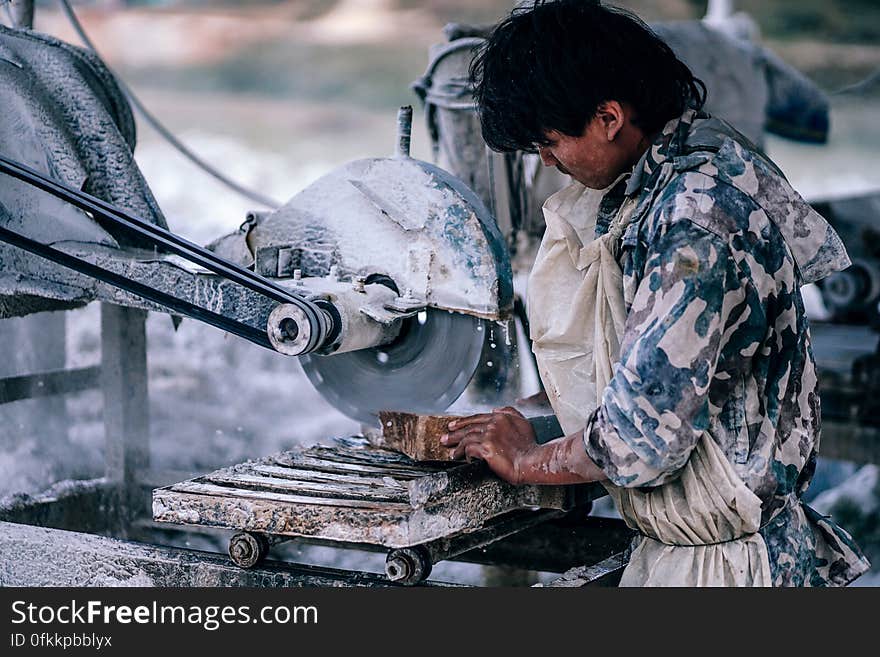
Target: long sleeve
{"x": 656, "y": 406}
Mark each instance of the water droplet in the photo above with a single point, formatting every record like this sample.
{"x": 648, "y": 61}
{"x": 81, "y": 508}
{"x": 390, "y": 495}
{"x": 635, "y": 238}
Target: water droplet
{"x": 382, "y": 357}
{"x": 488, "y": 363}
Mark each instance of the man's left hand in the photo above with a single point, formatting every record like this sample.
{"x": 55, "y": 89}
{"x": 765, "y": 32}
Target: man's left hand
{"x": 502, "y": 438}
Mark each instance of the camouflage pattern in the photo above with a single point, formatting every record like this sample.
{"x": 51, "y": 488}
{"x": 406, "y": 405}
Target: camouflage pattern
{"x": 716, "y": 338}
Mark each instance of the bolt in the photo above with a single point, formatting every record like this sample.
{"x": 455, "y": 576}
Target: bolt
{"x": 244, "y": 550}
{"x": 397, "y": 568}
{"x": 404, "y": 130}
{"x": 288, "y": 329}
{"x": 360, "y": 284}
{"x": 241, "y": 550}
{"x": 297, "y": 275}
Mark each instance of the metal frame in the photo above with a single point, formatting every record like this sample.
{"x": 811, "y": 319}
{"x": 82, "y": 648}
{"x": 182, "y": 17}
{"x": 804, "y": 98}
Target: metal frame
{"x": 111, "y": 503}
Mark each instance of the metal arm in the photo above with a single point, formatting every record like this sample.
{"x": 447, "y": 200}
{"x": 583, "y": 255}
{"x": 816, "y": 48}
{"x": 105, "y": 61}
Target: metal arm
{"x": 313, "y": 326}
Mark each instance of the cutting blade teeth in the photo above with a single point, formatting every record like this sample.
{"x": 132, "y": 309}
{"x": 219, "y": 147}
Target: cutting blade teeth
{"x": 424, "y": 371}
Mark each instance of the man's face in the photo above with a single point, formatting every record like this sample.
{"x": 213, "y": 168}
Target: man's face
{"x": 597, "y": 157}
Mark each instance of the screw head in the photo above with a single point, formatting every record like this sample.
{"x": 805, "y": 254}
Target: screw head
{"x": 245, "y": 550}
{"x": 397, "y": 569}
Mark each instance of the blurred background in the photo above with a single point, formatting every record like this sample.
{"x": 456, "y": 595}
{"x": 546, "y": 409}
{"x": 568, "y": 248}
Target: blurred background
{"x": 276, "y": 93}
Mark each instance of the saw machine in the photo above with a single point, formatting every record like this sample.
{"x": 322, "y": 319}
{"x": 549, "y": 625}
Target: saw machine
{"x": 383, "y": 278}
{"x": 380, "y": 276}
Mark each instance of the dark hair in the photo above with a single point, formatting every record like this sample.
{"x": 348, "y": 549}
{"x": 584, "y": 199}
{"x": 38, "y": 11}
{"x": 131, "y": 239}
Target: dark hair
{"x": 549, "y": 67}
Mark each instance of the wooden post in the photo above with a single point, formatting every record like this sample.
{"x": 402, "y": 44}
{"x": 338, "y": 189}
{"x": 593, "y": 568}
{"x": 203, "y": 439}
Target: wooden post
{"x": 126, "y": 401}
{"x": 33, "y": 344}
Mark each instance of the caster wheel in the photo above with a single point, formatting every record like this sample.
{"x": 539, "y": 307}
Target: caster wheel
{"x": 247, "y": 550}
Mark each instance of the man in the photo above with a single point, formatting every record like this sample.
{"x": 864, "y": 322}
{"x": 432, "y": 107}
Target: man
{"x": 706, "y": 430}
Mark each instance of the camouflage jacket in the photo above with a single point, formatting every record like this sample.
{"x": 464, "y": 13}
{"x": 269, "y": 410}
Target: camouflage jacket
{"x": 716, "y": 337}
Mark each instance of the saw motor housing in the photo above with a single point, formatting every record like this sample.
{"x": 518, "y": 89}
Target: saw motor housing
{"x": 395, "y": 223}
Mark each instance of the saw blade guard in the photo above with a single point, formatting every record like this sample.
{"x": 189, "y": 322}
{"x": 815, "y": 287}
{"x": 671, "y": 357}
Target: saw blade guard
{"x": 398, "y": 218}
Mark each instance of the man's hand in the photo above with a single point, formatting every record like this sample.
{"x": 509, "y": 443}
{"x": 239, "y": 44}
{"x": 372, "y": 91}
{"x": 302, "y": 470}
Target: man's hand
{"x": 504, "y": 439}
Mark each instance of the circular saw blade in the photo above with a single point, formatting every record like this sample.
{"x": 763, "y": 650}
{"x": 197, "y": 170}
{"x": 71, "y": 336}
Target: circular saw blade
{"x": 423, "y": 371}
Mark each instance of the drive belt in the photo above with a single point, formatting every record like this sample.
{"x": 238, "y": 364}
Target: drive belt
{"x": 166, "y": 242}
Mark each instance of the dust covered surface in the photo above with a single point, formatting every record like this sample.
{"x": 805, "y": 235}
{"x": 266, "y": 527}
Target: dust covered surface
{"x": 365, "y": 495}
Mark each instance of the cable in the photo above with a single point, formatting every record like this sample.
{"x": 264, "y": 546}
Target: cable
{"x": 860, "y": 86}
{"x": 161, "y": 129}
